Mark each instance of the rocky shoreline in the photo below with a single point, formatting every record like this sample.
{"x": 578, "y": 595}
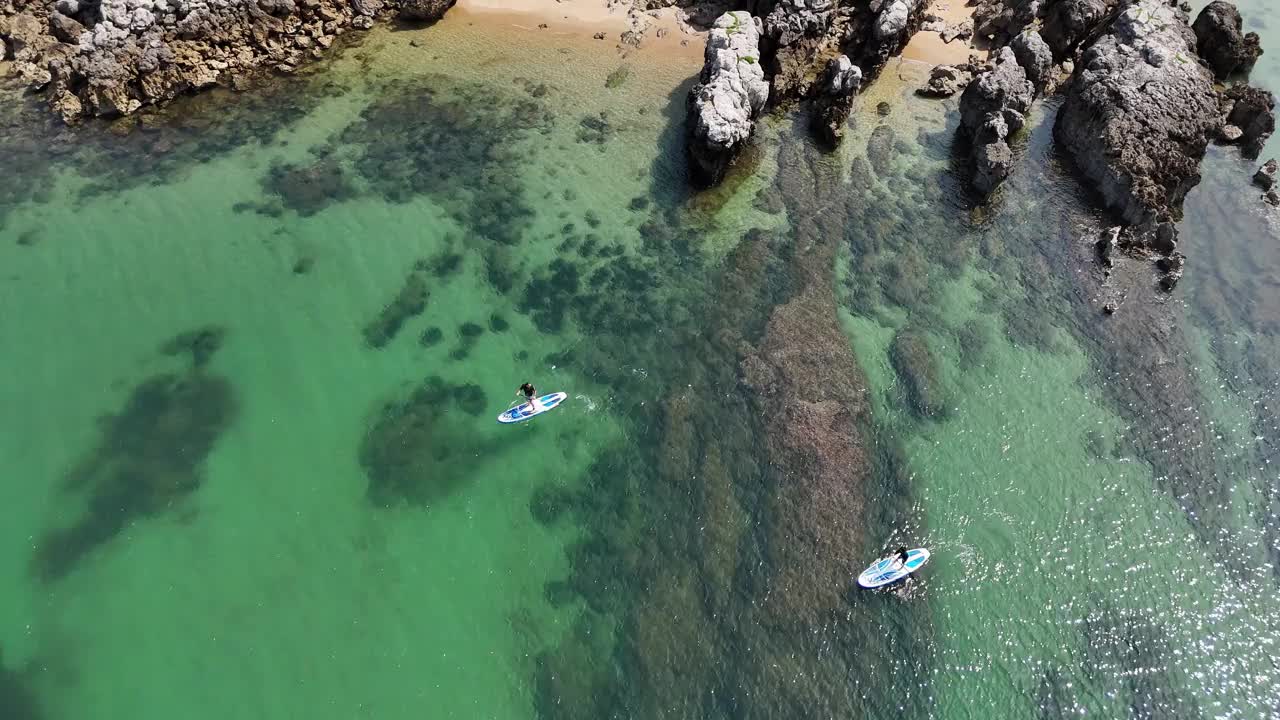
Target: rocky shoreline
{"x": 1145, "y": 92}
{"x": 104, "y": 58}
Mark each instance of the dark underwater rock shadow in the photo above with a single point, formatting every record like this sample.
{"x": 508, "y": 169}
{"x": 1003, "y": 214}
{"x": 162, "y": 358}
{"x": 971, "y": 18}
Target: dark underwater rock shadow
{"x": 422, "y": 448}
{"x": 17, "y": 698}
{"x": 149, "y": 458}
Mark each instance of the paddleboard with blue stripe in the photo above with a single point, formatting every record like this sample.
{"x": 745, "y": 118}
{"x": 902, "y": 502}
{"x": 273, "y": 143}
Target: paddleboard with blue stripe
{"x": 889, "y": 570}
{"x": 546, "y": 403}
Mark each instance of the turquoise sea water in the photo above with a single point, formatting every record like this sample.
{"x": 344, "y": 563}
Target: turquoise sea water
{"x": 254, "y": 349}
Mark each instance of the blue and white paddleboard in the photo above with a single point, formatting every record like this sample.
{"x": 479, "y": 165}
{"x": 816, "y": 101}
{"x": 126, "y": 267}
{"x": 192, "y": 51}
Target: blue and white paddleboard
{"x": 888, "y": 570}
{"x": 526, "y": 411}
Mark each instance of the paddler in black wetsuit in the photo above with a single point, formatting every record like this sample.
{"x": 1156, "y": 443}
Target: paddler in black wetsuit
{"x": 530, "y": 395}
{"x": 901, "y": 555}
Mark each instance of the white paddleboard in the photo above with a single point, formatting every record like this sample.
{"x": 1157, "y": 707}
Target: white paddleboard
{"x": 546, "y": 403}
{"x": 888, "y": 570}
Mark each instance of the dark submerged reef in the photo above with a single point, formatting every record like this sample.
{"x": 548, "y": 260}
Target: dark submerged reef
{"x": 410, "y": 302}
{"x": 150, "y": 456}
{"x": 725, "y": 561}
{"x": 199, "y": 344}
{"x": 17, "y": 700}
{"x": 406, "y": 453}
{"x": 433, "y": 137}
{"x": 308, "y": 189}
{"x": 149, "y": 147}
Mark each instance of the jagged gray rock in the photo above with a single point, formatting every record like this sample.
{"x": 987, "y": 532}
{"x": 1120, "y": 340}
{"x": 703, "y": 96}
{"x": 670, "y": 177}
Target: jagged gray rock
{"x": 843, "y": 79}
{"x": 945, "y": 81}
{"x": 1068, "y": 22}
{"x": 1265, "y": 178}
{"x": 1253, "y": 111}
{"x": 1137, "y": 119}
{"x": 1034, "y": 56}
{"x": 998, "y": 20}
{"x": 1221, "y": 41}
{"x": 113, "y": 57}
{"x": 800, "y": 31}
{"x": 732, "y": 90}
{"x": 1140, "y": 112}
{"x": 993, "y": 107}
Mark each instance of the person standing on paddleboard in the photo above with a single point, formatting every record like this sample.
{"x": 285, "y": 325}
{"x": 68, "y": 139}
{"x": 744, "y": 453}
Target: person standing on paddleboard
{"x": 902, "y": 556}
{"x": 530, "y": 395}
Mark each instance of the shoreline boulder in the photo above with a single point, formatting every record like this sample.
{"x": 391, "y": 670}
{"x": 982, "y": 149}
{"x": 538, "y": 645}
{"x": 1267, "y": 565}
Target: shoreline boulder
{"x": 723, "y": 106}
{"x": 992, "y": 108}
{"x": 1137, "y": 120}
{"x": 1221, "y": 41}
{"x": 1140, "y": 112}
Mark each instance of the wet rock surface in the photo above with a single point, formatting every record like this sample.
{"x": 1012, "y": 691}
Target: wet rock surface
{"x": 992, "y": 108}
{"x": 1222, "y": 42}
{"x": 732, "y": 90}
{"x": 1265, "y": 178}
{"x": 842, "y": 81}
{"x": 1252, "y": 112}
{"x": 1138, "y": 117}
{"x": 115, "y": 57}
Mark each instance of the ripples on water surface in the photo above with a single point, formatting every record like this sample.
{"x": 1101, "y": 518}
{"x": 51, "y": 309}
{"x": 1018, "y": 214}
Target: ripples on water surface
{"x": 254, "y": 353}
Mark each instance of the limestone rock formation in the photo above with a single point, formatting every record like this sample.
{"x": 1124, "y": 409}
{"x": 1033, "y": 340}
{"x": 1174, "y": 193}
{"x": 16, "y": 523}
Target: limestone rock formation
{"x": 1140, "y": 112}
{"x": 1220, "y": 40}
{"x": 1252, "y": 110}
{"x": 843, "y": 79}
{"x": 732, "y": 90}
{"x": 945, "y": 81}
{"x": 1137, "y": 119}
{"x": 1068, "y": 22}
{"x": 112, "y": 57}
{"x": 1265, "y": 178}
{"x": 799, "y": 31}
{"x": 1034, "y": 56}
{"x": 992, "y": 108}
{"x": 999, "y": 20}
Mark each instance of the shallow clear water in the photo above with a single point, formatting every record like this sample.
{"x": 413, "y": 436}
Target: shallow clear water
{"x": 254, "y": 350}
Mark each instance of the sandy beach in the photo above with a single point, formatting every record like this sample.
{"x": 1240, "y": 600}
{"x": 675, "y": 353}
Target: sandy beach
{"x": 659, "y": 30}
{"x": 928, "y": 47}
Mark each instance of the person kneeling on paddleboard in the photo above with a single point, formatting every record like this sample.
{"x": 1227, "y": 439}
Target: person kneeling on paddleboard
{"x": 530, "y": 395}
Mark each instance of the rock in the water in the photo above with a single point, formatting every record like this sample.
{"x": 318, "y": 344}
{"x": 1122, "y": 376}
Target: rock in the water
{"x": 799, "y": 32}
{"x": 993, "y": 107}
{"x": 843, "y": 79}
{"x": 424, "y": 10}
{"x": 1221, "y": 41}
{"x": 1253, "y": 111}
{"x": 1265, "y": 178}
{"x": 1140, "y": 112}
{"x": 1068, "y": 22}
{"x": 723, "y": 106}
{"x": 1272, "y": 198}
{"x": 1034, "y": 56}
{"x": 945, "y": 81}
{"x": 1230, "y": 133}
